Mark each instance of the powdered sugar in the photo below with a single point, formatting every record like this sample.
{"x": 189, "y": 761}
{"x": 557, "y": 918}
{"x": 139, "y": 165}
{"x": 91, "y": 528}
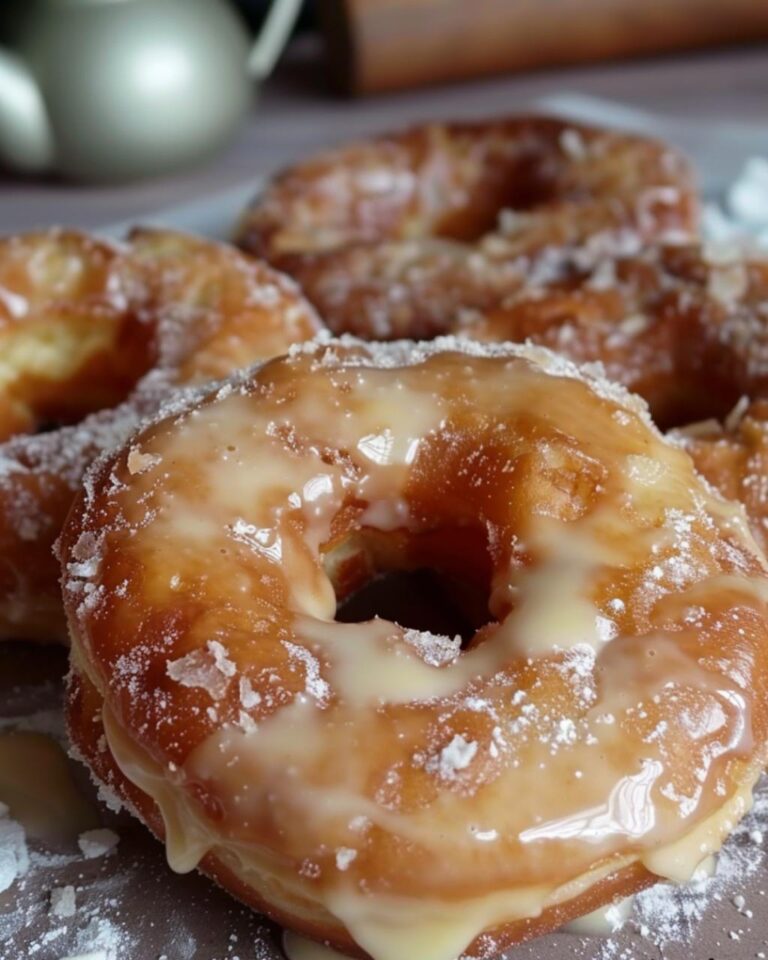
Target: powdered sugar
{"x": 315, "y": 685}
{"x": 435, "y": 649}
{"x": 249, "y": 697}
{"x": 63, "y": 901}
{"x": 14, "y": 856}
{"x": 97, "y": 843}
{"x": 100, "y": 937}
{"x": 344, "y": 857}
{"x": 210, "y": 669}
{"x": 453, "y": 758}
{"x": 666, "y": 913}
{"x": 138, "y": 462}
{"x": 221, "y": 658}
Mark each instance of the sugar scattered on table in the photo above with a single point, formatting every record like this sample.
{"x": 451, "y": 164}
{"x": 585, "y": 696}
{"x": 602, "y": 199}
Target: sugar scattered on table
{"x": 63, "y": 902}
{"x": 97, "y": 843}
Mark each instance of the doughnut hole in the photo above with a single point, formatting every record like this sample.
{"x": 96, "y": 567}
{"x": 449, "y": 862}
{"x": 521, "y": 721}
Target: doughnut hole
{"x": 520, "y": 182}
{"x": 441, "y": 578}
{"x": 437, "y": 580}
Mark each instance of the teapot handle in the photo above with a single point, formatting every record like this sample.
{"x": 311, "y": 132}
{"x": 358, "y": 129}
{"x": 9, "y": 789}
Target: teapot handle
{"x": 273, "y": 36}
{"x": 26, "y": 138}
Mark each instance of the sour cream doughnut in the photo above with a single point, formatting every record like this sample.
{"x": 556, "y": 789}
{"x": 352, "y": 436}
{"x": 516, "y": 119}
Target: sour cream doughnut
{"x": 389, "y": 236}
{"x": 380, "y": 787}
{"x": 685, "y": 329}
{"x": 85, "y": 325}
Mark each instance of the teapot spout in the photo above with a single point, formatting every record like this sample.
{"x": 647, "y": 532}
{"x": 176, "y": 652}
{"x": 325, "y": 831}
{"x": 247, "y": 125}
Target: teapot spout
{"x": 26, "y": 137}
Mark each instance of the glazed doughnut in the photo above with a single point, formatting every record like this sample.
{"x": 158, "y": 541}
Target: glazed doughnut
{"x": 84, "y": 322}
{"x": 388, "y": 790}
{"x": 389, "y": 236}
{"x": 686, "y": 331}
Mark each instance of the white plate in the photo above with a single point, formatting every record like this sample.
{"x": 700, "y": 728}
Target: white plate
{"x": 719, "y": 153}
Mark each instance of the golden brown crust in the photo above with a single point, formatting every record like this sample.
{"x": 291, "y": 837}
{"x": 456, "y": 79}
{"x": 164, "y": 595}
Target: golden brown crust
{"x": 388, "y": 237}
{"x": 167, "y": 307}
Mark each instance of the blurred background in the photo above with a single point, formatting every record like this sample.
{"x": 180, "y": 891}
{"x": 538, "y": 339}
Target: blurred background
{"x": 111, "y": 110}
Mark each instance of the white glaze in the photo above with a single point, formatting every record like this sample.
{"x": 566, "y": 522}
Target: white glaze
{"x": 297, "y": 947}
{"x": 604, "y": 921}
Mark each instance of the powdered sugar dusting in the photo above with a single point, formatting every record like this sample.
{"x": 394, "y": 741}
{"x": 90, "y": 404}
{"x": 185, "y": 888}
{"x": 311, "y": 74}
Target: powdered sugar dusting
{"x": 97, "y": 843}
{"x": 315, "y": 685}
{"x": 435, "y": 649}
{"x": 209, "y": 669}
{"x": 344, "y": 857}
{"x": 453, "y": 758}
{"x": 63, "y": 901}
{"x": 249, "y": 697}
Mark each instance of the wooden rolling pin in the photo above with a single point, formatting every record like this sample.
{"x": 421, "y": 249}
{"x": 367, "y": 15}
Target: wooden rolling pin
{"x": 377, "y": 45}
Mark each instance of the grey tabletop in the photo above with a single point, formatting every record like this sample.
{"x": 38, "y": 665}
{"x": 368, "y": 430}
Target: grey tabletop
{"x": 296, "y": 113}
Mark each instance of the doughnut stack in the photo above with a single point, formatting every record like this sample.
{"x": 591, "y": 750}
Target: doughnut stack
{"x": 499, "y": 352}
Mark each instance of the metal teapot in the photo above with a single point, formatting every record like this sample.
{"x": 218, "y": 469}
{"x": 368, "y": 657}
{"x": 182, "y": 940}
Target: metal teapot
{"x": 113, "y": 89}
